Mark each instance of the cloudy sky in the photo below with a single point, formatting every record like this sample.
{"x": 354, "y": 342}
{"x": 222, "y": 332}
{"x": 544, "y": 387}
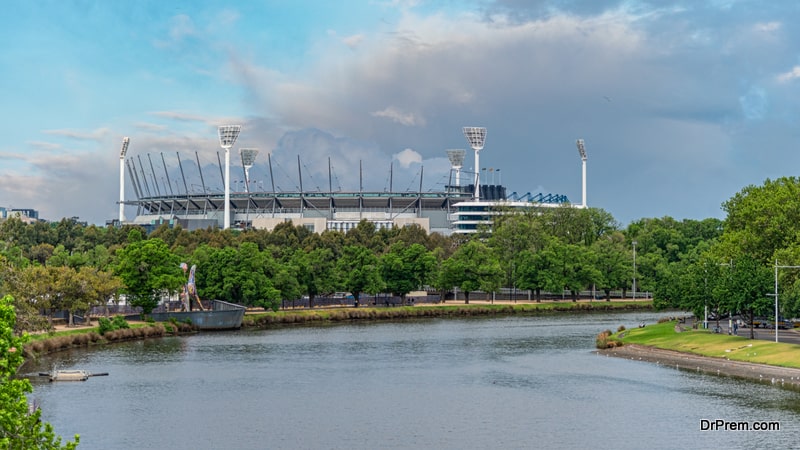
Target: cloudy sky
{"x": 681, "y": 104}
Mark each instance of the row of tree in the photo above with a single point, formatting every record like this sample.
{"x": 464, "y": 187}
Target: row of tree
{"x": 711, "y": 263}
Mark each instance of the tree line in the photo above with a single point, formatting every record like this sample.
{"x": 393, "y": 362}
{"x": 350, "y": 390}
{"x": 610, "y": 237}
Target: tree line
{"x": 723, "y": 265}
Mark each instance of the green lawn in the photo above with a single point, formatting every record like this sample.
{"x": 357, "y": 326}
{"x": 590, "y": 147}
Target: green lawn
{"x": 703, "y": 342}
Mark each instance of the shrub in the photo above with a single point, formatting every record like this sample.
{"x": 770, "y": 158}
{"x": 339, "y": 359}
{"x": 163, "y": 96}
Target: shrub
{"x": 104, "y": 326}
{"x": 120, "y": 323}
{"x": 601, "y": 341}
{"x": 621, "y": 329}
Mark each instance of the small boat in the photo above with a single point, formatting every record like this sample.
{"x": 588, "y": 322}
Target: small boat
{"x": 222, "y": 316}
{"x": 71, "y": 375}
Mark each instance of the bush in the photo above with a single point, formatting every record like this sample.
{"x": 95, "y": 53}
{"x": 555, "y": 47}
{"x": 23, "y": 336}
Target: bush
{"x": 117, "y": 323}
{"x": 104, "y": 326}
{"x": 120, "y": 323}
{"x": 621, "y": 329}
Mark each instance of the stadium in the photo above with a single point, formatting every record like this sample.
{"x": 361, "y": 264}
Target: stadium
{"x": 184, "y": 194}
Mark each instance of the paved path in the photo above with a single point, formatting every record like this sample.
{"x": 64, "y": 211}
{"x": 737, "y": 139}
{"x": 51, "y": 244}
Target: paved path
{"x": 791, "y": 336}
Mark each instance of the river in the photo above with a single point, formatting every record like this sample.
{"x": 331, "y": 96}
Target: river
{"x": 482, "y": 383}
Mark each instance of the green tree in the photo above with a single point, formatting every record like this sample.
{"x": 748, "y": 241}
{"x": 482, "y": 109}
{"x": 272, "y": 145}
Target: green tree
{"x": 19, "y": 428}
{"x": 358, "y": 271}
{"x": 315, "y": 272}
{"x": 31, "y": 286}
{"x": 612, "y": 262}
{"x": 241, "y": 275}
{"x": 747, "y": 288}
{"x": 764, "y": 219}
{"x": 472, "y": 267}
{"x": 148, "y": 269}
{"x": 406, "y": 268}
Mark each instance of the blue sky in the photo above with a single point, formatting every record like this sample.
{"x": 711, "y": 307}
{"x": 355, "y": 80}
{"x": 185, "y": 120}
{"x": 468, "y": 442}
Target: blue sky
{"x": 681, "y": 104}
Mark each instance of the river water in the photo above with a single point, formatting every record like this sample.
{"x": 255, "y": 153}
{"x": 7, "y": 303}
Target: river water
{"x": 485, "y": 383}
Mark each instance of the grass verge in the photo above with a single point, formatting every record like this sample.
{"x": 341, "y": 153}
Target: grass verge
{"x": 703, "y": 342}
{"x": 451, "y": 310}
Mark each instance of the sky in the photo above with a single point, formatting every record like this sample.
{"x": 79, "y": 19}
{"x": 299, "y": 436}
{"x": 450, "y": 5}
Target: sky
{"x": 681, "y": 104}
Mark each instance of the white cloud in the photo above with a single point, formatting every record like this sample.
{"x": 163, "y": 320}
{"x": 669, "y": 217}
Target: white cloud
{"x": 94, "y": 135}
{"x": 407, "y": 157}
{"x": 353, "y": 41}
{"x": 790, "y": 75}
{"x": 398, "y": 116}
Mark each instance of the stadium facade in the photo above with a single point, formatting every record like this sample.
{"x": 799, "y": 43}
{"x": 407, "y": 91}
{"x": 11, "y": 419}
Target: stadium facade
{"x": 458, "y": 208}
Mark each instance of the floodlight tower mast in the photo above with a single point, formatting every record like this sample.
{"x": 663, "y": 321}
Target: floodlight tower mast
{"x": 227, "y": 137}
{"x": 248, "y": 158}
{"x": 125, "y": 141}
{"x": 456, "y": 157}
{"x": 476, "y": 136}
{"x": 582, "y": 151}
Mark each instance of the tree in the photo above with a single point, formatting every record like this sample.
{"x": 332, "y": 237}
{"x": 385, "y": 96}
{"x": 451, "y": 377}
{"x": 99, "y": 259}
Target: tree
{"x": 472, "y": 267}
{"x": 748, "y": 287}
{"x": 358, "y": 271}
{"x": 20, "y": 428}
{"x": 148, "y": 269}
{"x": 315, "y": 272}
{"x": 31, "y": 286}
{"x": 612, "y": 262}
{"x": 405, "y": 268}
{"x": 763, "y": 219}
{"x": 241, "y": 275}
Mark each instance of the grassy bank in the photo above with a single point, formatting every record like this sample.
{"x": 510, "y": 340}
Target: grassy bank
{"x": 453, "y": 310}
{"x": 42, "y": 344}
{"x": 667, "y": 336}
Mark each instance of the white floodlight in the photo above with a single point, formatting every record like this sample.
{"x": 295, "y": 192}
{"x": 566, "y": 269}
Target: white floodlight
{"x": 248, "y": 159}
{"x": 476, "y": 136}
{"x": 581, "y": 149}
{"x": 456, "y": 157}
{"x": 582, "y": 152}
{"x": 227, "y": 137}
{"x": 125, "y": 141}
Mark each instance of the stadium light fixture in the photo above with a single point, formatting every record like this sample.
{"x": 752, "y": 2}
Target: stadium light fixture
{"x": 248, "y": 156}
{"x": 227, "y": 137}
{"x": 476, "y": 136}
{"x": 456, "y": 157}
{"x": 582, "y": 152}
{"x": 125, "y": 141}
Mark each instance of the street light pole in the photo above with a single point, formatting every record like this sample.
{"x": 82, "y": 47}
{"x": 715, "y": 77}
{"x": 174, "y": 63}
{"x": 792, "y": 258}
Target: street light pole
{"x": 634, "y": 270}
{"x": 776, "y": 293}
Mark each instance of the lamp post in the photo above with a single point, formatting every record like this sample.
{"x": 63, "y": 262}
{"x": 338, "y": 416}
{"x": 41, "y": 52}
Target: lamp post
{"x": 227, "y": 137}
{"x": 634, "y": 269}
{"x": 776, "y": 293}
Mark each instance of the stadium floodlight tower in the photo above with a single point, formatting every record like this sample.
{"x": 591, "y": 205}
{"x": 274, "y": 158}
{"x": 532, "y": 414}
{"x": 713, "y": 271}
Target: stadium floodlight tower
{"x": 227, "y": 137}
{"x": 456, "y": 157}
{"x": 125, "y": 141}
{"x": 582, "y": 151}
{"x": 476, "y": 136}
{"x": 248, "y": 159}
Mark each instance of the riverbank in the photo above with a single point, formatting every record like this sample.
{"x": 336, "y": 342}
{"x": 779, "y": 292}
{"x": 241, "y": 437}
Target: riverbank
{"x": 674, "y": 344}
{"x": 783, "y": 376}
{"x": 320, "y": 315}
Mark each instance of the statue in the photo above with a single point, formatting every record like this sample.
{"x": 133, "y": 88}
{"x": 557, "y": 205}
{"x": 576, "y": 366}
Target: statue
{"x": 189, "y": 289}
